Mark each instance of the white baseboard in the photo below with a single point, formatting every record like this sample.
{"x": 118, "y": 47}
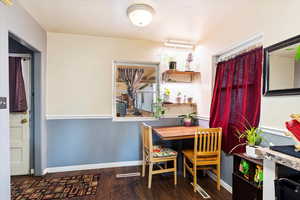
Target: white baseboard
{"x": 92, "y": 166}
{"x": 223, "y": 183}
{"x": 45, "y": 171}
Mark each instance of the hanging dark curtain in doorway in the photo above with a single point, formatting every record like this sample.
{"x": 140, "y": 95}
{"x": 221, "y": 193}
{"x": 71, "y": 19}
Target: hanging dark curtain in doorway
{"x": 237, "y": 96}
{"x": 17, "y": 92}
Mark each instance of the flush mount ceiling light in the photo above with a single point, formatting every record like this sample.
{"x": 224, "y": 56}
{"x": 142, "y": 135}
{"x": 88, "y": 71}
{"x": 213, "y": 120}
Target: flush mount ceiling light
{"x": 140, "y": 14}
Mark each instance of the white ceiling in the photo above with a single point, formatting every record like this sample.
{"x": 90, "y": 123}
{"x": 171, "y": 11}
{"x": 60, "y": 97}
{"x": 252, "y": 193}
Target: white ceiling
{"x": 189, "y": 20}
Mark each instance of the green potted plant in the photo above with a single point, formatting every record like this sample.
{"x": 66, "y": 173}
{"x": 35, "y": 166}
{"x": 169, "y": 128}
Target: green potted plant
{"x": 159, "y": 109}
{"x": 252, "y": 137}
{"x": 188, "y": 118}
{"x": 167, "y": 94}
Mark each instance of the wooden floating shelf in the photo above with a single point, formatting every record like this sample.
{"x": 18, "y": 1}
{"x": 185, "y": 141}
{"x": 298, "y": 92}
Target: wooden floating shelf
{"x": 180, "y": 76}
{"x": 179, "y": 104}
{"x": 180, "y": 108}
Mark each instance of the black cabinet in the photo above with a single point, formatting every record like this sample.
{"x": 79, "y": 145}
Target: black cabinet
{"x": 243, "y": 190}
{"x": 287, "y": 184}
{"x": 287, "y": 189}
{"x": 244, "y": 187}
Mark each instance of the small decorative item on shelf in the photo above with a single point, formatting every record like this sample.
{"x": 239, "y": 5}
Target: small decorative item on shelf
{"x": 184, "y": 99}
{"x": 244, "y": 168}
{"x": 259, "y": 175}
{"x": 188, "y": 62}
{"x": 172, "y": 64}
{"x": 294, "y": 130}
{"x": 190, "y": 100}
{"x": 251, "y": 137}
{"x": 167, "y": 94}
{"x": 188, "y": 118}
{"x": 159, "y": 110}
{"x": 178, "y": 98}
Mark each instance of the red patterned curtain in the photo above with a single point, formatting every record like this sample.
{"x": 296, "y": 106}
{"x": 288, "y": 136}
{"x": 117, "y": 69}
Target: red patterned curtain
{"x": 237, "y": 96}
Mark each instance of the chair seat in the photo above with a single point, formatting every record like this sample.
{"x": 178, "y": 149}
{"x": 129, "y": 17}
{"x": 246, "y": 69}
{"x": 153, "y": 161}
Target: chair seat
{"x": 160, "y": 151}
{"x": 189, "y": 154}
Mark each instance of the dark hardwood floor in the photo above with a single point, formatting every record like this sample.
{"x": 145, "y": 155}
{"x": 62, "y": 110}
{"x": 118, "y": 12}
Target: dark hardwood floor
{"x": 135, "y": 188}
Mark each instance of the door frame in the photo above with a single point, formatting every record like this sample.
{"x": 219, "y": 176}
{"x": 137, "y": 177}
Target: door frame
{"x": 31, "y": 108}
{"x": 36, "y": 104}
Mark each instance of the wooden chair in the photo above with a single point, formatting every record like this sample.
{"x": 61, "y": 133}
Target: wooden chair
{"x": 155, "y": 155}
{"x": 206, "y": 154}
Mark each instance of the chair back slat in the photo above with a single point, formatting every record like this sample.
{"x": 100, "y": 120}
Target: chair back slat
{"x": 146, "y": 132}
{"x": 204, "y": 143}
{"x": 200, "y": 144}
{"x": 212, "y": 142}
{"x": 216, "y": 142}
{"x": 208, "y": 141}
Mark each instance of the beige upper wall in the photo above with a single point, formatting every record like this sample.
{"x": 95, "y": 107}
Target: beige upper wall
{"x": 277, "y": 20}
{"x": 79, "y": 75}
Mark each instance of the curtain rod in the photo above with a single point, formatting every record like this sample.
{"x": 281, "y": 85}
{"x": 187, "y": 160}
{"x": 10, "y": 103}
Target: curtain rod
{"x": 221, "y": 59}
{"x": 236, "y": 49}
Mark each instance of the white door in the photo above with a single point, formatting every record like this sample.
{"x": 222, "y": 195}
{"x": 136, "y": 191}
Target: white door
{"x": 20, "y": 131}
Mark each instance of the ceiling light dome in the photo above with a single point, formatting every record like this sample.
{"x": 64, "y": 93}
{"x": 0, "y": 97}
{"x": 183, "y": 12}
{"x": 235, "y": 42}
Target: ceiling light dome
{"x": 140, "y": 14}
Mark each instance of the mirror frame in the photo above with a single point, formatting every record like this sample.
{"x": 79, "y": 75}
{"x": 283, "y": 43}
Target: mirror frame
{"x": 114, "y": 66}
{"x": 266, "y": 69}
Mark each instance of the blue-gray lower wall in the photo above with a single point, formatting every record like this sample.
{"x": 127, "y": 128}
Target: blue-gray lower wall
{"x": 76, "y": 142}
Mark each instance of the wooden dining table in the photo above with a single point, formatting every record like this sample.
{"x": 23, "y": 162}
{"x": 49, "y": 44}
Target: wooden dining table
{"x": 176, "y": 132}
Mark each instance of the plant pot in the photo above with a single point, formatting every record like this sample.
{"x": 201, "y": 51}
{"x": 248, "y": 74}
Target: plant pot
{"x": 178, "y": 99}
{"x": 187, "y": 122}
{"x": 172, "y": 65}
{"x": 166, "y": 98}
{"x": 250, "y": 151}
{"x": 190, "y": 100}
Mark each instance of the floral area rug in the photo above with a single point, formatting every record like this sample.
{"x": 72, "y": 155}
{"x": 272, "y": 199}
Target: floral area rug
{"x": 70, "y": 187}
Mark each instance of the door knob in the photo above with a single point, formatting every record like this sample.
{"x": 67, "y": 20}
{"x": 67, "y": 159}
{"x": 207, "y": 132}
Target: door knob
{"x": 24, "y": 121}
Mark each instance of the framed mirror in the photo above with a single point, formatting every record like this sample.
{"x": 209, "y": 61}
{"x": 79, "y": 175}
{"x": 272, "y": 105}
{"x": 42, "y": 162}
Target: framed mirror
{"x": 135, "y": 90}
{"x": 282, "y": 68}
